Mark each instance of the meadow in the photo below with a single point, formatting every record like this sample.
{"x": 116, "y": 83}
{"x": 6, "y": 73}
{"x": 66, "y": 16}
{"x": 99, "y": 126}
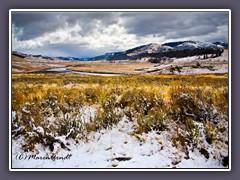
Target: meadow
{"x": 192, "y": 108}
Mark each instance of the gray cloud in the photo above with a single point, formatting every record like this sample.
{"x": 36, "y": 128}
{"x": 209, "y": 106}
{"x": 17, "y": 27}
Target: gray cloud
{"x": 93, "y": 33}
{"x": 35, "y": 24}
{"x": 181, "y": 24}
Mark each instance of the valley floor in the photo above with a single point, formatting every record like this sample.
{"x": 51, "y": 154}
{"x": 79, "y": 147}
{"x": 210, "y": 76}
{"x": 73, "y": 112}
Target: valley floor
{"x": 185, "y": 66}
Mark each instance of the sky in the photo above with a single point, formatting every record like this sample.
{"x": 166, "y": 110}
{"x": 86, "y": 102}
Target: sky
{"x": 88, "y": 34}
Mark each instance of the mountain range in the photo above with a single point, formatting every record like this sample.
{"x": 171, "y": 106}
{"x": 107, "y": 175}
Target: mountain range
{"x": 149, "y": 50}
{"x": 166, "y": 48}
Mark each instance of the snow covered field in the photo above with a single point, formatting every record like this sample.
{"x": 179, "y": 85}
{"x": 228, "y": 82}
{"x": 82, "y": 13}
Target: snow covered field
{"x": 219, "y": 65}
{"x": 117, "y": 148}
{"x": 153, "y": 121}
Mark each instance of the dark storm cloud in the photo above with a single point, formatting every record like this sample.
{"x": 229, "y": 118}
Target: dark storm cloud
{"x": 191, "y": 31}
{"x": 179, "y": 24}
{"x": 149, "y": 22}
{"x": 35, "y": 24}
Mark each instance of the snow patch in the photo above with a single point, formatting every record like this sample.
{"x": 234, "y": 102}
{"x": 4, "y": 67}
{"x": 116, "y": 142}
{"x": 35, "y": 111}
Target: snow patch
{"x": 25, "y": 111}
{"x": 117, "y": 148}
{"x": 39, "y": 130}
{"x": 87, "y": 113}
{"x": 14, "y": 116}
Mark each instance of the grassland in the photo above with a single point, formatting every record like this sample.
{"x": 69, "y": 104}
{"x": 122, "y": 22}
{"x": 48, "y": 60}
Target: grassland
{"x": 125, "y": 67}
{"x": 193, "y": 109}
{"x": 22, "y": 65}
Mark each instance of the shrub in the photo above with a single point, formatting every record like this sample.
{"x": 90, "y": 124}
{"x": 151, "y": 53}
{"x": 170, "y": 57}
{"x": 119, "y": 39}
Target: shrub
{"x": 141, "y": 101}
{"x": 195, "y": 104}
{"x": 154, "y": 121}
{"x": 210, "y": 131}
{"x": 110, "y": 115}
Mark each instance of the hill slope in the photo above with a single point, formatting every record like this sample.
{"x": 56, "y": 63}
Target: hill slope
{"x": 171, "y": 49}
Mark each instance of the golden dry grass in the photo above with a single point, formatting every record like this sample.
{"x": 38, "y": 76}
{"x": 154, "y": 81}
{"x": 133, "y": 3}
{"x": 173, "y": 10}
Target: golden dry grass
{"x": 106, "y": 67}
{"x": 22, "y": 65}
{"x": 154, "y": 102}
{"x": 27, "y": 87}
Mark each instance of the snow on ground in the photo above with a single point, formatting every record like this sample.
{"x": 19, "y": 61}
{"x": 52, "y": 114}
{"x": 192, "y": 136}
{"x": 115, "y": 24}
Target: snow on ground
{"x": 56, "y": 65}
{"x": 60, "y": 69}
{"x": 185, "y": 59}
{"x": 88, "y": 113}
{"x": 191, "y": 71}
{"x": 188, "y": 71}
{"x": 115, "y": 148}
{"x": 223, "y": 57}
{"x": 218, "y": 65}
{"x": 164, "y": 69}
{"x": 66, "y": 70}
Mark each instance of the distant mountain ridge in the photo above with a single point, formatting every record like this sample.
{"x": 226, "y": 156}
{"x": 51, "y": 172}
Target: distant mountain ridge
{"x": 23, "y": 55}
{"x": 168, "y": 49}
{"x": 223, "y": 44}
{"x": 154, "y": 48}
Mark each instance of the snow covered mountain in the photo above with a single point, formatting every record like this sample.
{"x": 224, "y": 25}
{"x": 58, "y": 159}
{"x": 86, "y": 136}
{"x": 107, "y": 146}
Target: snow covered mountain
{"x": 108, "y": 56}
{"x": 181, "y": 45}
{"x": 149, "y": 48}
{"x": 221, "y": 44}
{"x": 33, "y": 56}
{"x": 154, "y": 48}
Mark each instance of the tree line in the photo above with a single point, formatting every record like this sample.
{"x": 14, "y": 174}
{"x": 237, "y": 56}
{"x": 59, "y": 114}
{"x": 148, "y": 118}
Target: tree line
{"x": 182, "y": 53}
